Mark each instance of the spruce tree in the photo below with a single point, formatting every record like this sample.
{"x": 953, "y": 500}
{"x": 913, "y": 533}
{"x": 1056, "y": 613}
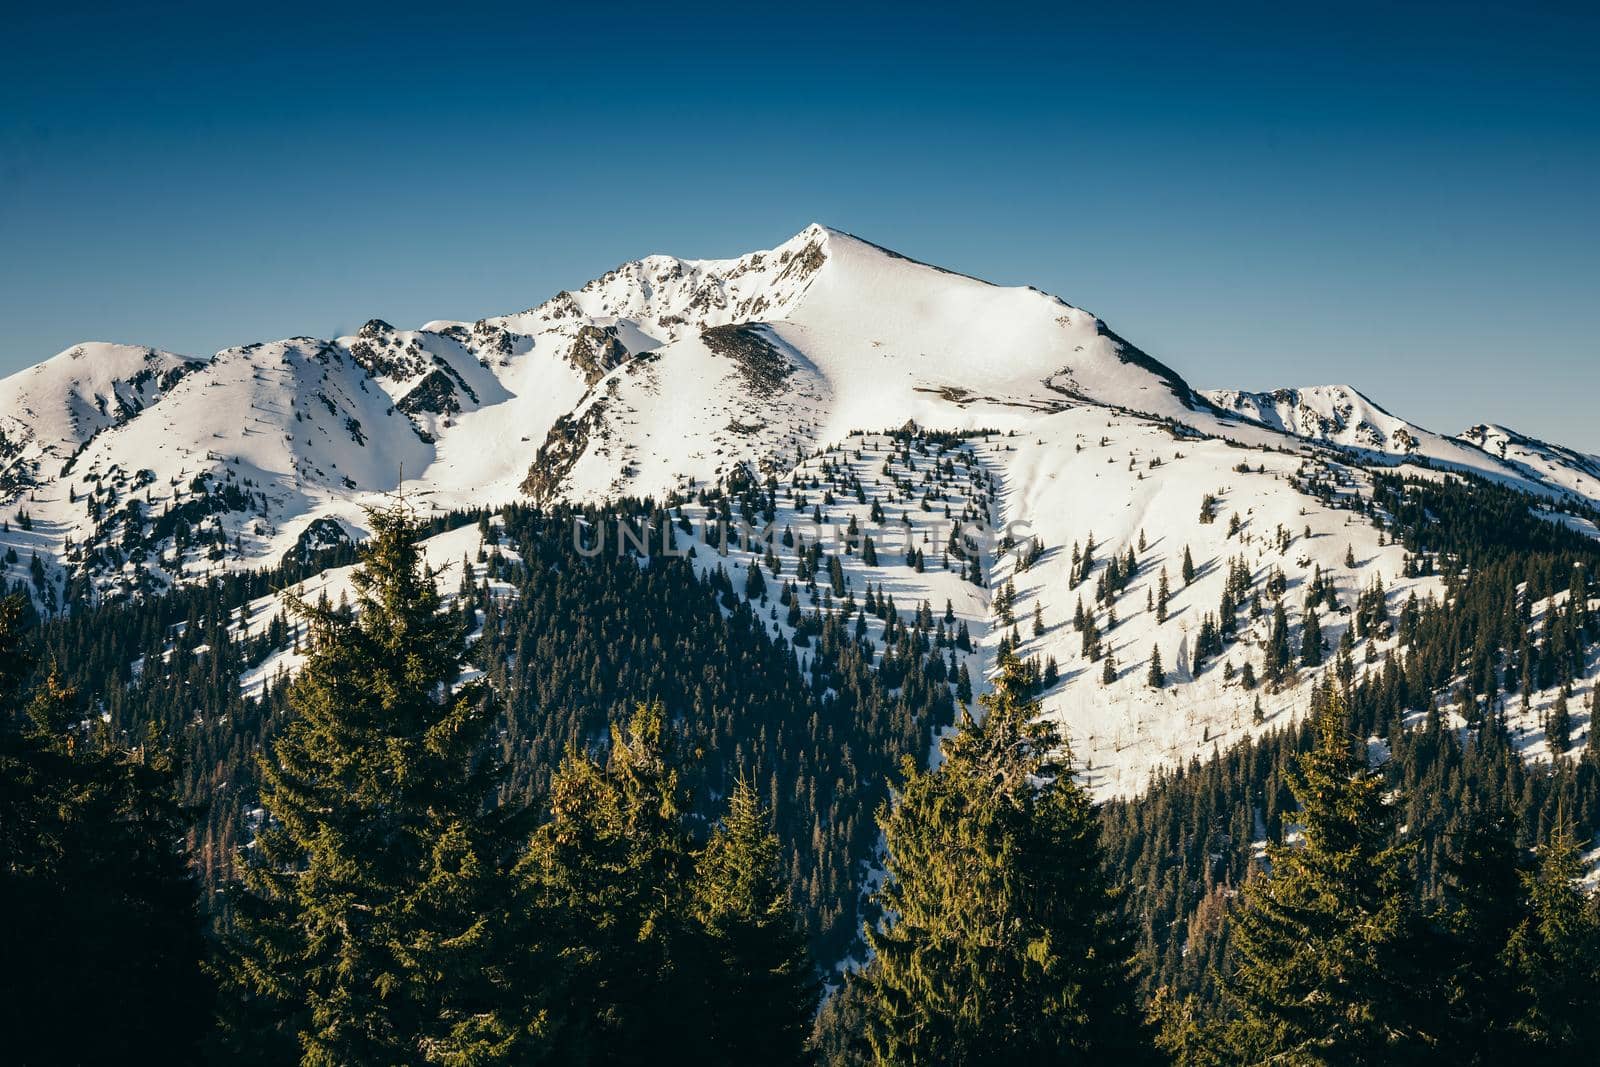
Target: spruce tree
{"x": 1157, "y": 677}
{"x": 103, "y": 907}
{"x": 1003, "y": 943}
{"x": 763, "y": 988}
{"x": 1560, "y": 721}
{"x": 1554, "y": 955}
{"x": 374, "y": 922}
{"x": 1592, "y": 745}
{"x": 1276, "y": 665}
{"x": 1311, "y": 640}
{"x": 1325, "y": 939}
{"x": 614, "y": 863}
{"x": 1482, "y": 905}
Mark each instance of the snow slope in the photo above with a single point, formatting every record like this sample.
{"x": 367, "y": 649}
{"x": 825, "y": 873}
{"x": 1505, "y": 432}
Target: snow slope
{"x": 51, "y": 410}
{"x": 126, "y": 470}
{"x": 1577, "y": 472}
{"x": 874, "y": 340}
{"x": 1340, "y": 416}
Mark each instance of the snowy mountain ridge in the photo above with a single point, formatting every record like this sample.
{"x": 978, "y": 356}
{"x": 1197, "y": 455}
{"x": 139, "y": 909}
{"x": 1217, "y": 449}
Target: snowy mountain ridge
{"x": 824, "y": 368}
{"x": 1341, "y": 416}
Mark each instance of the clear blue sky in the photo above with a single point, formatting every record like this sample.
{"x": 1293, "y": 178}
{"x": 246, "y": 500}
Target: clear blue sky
{"x": 1402, "y": 200}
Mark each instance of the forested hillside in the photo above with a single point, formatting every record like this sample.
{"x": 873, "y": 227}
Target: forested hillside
{"x": 561, "y": 645}
{"x": 570, "y": 643}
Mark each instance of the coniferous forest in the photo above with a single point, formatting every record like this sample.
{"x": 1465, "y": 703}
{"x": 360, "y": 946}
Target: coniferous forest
{"x": 608, "y": 819}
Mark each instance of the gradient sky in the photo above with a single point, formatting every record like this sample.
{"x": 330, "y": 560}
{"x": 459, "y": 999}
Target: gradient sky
{"x": 1404, "y": 200}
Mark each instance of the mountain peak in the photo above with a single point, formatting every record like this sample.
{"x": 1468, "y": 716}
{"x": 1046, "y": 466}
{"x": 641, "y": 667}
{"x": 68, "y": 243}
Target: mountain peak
{"x": 661, "y": 374}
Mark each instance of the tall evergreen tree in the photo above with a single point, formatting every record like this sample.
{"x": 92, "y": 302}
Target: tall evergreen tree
{"x": 1325, "y": 939}
{"x": 375, "y": 918}
{"x": 1311, "y": 640}
{"x": 1554, "y": 955}
{"x": 764, "y": 989}
{"x": 1277, "y": 661}
{"x": 1483, "y": 904}
{"x": 101, "y": 954}
{"x": 1003, "y": 944}
{"x": 1560, "y": 721}
{"x": 1592, "y": 745}
{"x": 615, "y": 864}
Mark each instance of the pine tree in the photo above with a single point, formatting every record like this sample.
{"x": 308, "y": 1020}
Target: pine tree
{"x": 104, "y": 907}
{"x": 1325, "y": 941}
{"x": 1560, "y": 723}
{"x": 1311, "y": 640}
{"x": 1276, "y": 666}
{"x": 1188, "y": 566}
{"x": 615, "y": 865}
{"x": 765, "y": 989}
{"x": 1592, "y": 746}
{"x": 376, "y": 906}
{"x": 1554, "y": 954}
{"x": 1482, "y": 905}
{"x": 1003, "y": 946}
{"x": 1157, "y": 677}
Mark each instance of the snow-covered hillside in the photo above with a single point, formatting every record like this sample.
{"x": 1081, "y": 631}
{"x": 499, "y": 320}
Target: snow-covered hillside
{"x": 825, "y": 369}
{"x": 1577, "y": 472}
{"x": 1339, "y": 415}
{"x": 48, "y": 412}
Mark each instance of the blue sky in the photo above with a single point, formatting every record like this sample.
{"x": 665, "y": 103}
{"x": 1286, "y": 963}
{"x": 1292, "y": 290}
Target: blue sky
{"x": 1404, "y": 200}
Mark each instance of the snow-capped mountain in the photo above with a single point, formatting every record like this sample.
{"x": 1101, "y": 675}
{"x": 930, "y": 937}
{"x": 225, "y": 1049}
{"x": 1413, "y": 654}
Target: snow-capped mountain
{"x": 1339, "y": 415}
{"x": 1335, "y": 414}
{"x": 127, "y": 470}
{"x": 1550, "y": 464}
{"x": 50, "y": 411}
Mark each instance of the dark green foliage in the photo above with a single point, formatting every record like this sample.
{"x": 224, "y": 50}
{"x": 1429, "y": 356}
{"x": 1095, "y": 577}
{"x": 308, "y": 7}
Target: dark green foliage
{"x": 614, "y": 860}
{"x": 764, "y": 986}
{"x": 1276, "y": 667}
{"x": 1480, "y": 905}
{"x": 1553, "y": 956}
{"x": 660, "y": 953}
{"x": 1311, "y": 640}
{"x": 376, "y": 915}
{"x": 1326, "y": 940}
{"x": 102, "y": 949}
{"x": 1004, "y": 946}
